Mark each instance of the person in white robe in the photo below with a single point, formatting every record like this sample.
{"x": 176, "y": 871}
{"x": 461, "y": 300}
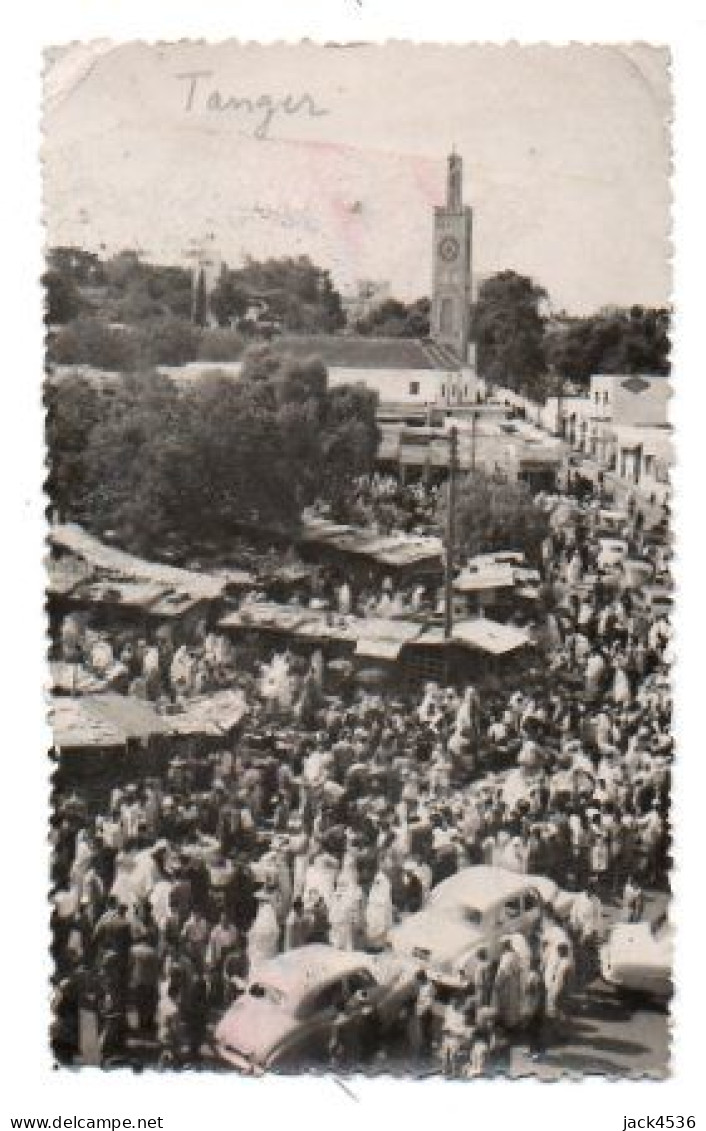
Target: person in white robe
{"x": 263, "y": 936}
{"x": 379, "y": 915}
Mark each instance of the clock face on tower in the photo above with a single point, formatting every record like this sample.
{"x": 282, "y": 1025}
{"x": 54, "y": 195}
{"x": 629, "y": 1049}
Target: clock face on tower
{"x": 449, "y": 249}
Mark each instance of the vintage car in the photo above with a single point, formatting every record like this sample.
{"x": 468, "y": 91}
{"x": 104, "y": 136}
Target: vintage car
{"x": 637, "y": 959}
{"x": 286, "y": 1017}
{"x": 479, "y": 907}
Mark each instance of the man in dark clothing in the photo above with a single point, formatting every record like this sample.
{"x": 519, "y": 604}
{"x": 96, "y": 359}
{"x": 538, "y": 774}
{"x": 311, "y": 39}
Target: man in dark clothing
{"x": 113, "y": 938}
{"x": 240, "y": 903}
{"x": 195, "y": 1013}
{"x": 144, "y": 980}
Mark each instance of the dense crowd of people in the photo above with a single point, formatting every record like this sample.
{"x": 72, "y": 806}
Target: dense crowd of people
{"x": 333, "y": 823}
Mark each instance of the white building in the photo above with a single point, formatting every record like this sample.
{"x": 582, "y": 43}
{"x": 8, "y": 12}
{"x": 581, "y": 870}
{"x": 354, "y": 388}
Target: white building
{"x": 623, "y": 423}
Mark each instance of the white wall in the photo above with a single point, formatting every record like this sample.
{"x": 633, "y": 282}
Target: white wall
{"x": 631, "y": 399}
{"x": 406, "y": 386}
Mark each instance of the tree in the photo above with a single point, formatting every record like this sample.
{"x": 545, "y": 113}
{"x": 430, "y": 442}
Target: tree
{"x": 395, "y": 319}
{"x": 74, "y": 263}
{"x": 171, "y": 342}
{"x": 89, "y": 341}
{"x": 200, "y": 310}
{"x": 495, "y": 515}
{"x": 508, "y": 327}
{"x": 613, "y": 341}
{"x": 219, "y": 344}
{"x": 73, "y": 408}
{"x": 146, "y": 458}
{"x": 349, "y": 440}
{"x": 296, "y": 292}
{"x": 134, "y": 459}
{"x": 228, "y": 301}
{"x": 63, "y": 301}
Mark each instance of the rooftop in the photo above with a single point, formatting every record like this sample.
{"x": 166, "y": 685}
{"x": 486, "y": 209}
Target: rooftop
{"x": 480, "y": 887}
{"x": 353, "y": 352}
{"x": 298, "y": 971}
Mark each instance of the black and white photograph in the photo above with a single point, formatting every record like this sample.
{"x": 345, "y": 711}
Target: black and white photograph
{"x": 359, "y": 558}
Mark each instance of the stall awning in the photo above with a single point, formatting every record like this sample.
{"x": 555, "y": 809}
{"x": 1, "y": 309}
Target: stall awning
{"x": 103, "y": 720}
{"x": 379, "y": 649}
{"x": 215, "y": 714}
{"x": 490, "y": 577}
{"x": 490, "y": 636}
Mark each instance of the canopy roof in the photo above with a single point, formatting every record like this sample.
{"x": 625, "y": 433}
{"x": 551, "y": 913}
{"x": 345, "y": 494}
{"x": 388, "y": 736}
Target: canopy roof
{"x": 106, "y": 719}
{"x": 127, "y": 567}
{"x": 215, "y": 714}
{"x": 374, "y": 636}
{"x": 393, "y": 550}
{"x": 491, "y": 636}
{"x": 109, "y": 720}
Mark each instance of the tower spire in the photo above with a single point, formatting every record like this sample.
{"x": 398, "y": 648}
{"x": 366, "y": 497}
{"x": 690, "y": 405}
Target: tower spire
{"x": 454, "y": 181}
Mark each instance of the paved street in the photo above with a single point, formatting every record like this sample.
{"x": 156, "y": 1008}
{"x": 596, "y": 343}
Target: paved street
{"x": 608, "y": 1035}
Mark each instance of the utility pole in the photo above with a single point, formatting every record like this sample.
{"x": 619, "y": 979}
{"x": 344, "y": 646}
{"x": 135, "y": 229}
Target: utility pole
{"x": 450, "y": 536}
{"x": 474, "y": 419}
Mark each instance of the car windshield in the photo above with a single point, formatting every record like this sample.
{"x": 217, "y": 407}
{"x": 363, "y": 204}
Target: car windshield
{"x": 269, "y": 993}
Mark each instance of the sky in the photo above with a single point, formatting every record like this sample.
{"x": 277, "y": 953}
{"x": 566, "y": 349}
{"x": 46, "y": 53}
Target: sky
{"x": 339, "y": 153}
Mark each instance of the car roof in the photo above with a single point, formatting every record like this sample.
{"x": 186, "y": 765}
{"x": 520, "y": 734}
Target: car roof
{"x": 305, "y": 968}
{"x": 484, "y": 886}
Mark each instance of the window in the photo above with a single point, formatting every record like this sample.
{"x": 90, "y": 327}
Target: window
{"x": 331, "y": 997}
{"x": 269, "y": 993}
{"x": 512, "y": 909}
{"x": 446, "y": 315}
{"x": 414, "y": 388}
{"x": 361, "y": 980}
{"x": 443, "y": 390}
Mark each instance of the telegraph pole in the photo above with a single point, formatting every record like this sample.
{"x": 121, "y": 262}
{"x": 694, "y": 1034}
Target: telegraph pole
{"x": 450, "y": 536}
{"x": 474, "y": 421}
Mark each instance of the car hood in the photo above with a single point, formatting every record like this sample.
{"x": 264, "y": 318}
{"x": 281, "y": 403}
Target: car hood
{"x": 254, "y": 1027}
{"x": 434, "y": 937}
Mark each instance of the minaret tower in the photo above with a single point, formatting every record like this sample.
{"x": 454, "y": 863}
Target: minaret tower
{"x": 451, "y": 272}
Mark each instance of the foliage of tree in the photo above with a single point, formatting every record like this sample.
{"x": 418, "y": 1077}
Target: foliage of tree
{"x": 199, "y": 312}
{"x": 74, "y": 263}
{"x": 170, "y": 287}
{"x": 493, "y": 514}
{"x": 124, "y": 288}
{"x": 89, "y": 341}
{"x": 613, "y": 341}
{"x": 508, "y": 327}
{"x": 298, "y": 294}
{"x": 124, "y": 349}
{"x": 63, "y": 301}
{"x": 72, "y": 411}
{"x": 395, "y": 319}
{"x": 144, "y": 457}
{"x": 228, "y": 300}
{"x": 220, "y": 345}
{"x": 171, "y": 342}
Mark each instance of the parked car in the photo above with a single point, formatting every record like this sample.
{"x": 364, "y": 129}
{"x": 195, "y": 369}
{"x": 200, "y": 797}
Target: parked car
{"x": 288, "y": 1013}
{"x": 637, "y": 958}
{"x": 479, "y": 907}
